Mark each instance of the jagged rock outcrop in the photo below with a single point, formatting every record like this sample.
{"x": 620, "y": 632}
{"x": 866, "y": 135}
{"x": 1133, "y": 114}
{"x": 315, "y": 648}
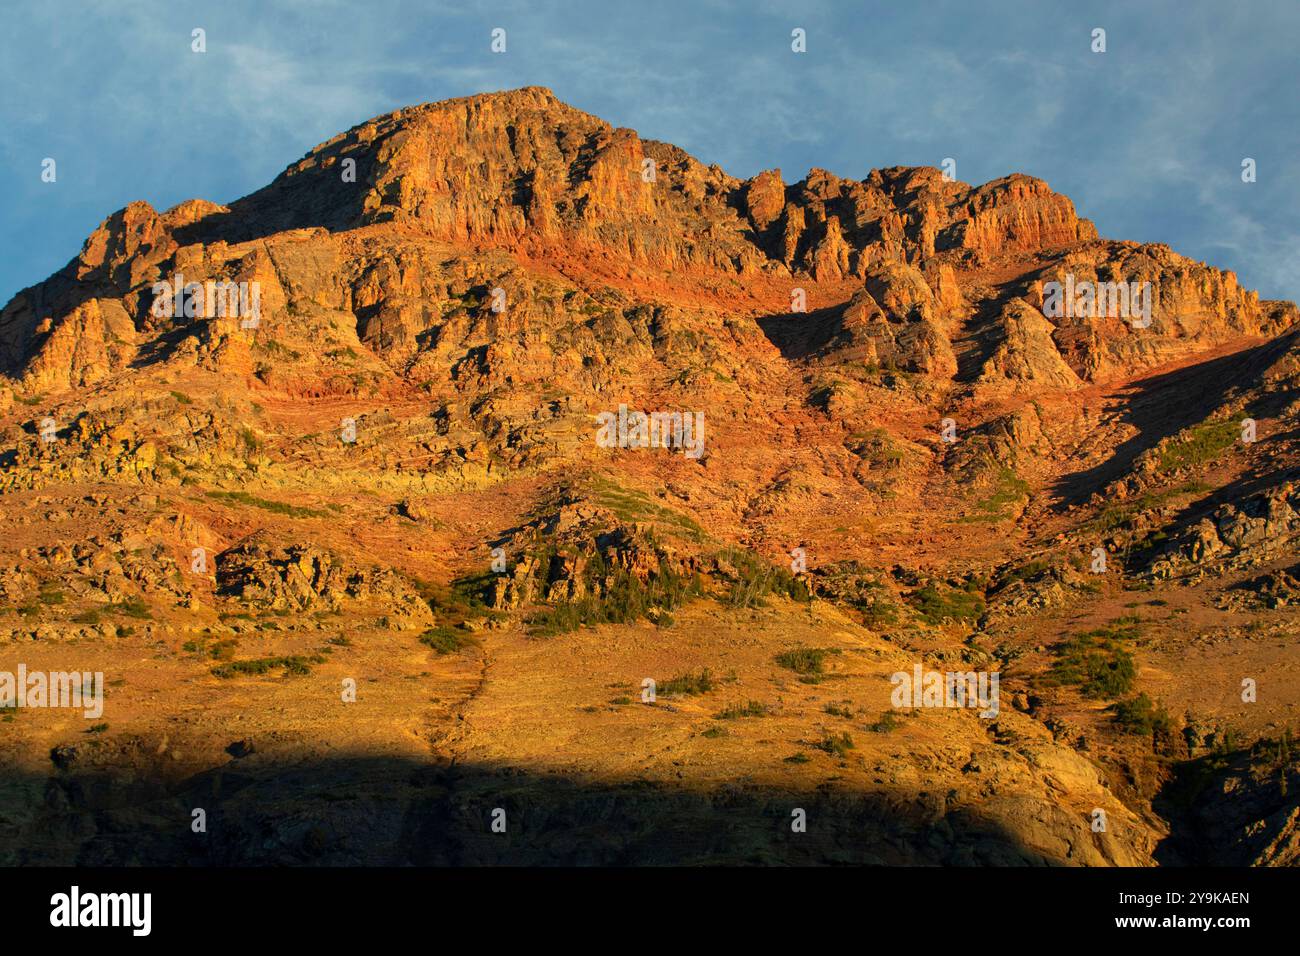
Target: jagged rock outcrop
{"x": 894, "y": 323}
{"x": 1187, "y": 303}
{"x": 266, "y": 573}
{"x": 1239, "y": 534}
{"x": 1026, "y": 356}
{"x": 1015, "y": 214}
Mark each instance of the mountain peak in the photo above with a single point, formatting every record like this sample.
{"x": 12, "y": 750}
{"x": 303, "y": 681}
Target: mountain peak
{"x": 521, "y": 172}
{"x": 487, "y": 369}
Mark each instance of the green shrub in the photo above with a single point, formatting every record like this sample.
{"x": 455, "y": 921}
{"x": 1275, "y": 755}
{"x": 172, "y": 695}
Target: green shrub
{"x": 1098, "y": 662}
{"x": 223, "y": 650}
{"x": 750, "y": 708}
{"x": 296, "y": 665}
{"x": 1008, "y": 490}
{"x": 133, "y": 607}
{"x": 808, "y": 661}
{"x": 625, "y": 598}
{"x": 835, "y": 746}
{"x": 880, "y": 614}
{"x": 561, "y": 619}
{"x": 756, "y": 579}
{"x": 887, "y": 722}
{"x": 447, "y": 640}
{"x": 1141, "y": 715}
{"x": 248, "y": 438}
{"x": 277, "y": 349}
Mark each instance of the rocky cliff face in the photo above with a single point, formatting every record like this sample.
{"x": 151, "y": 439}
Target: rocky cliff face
{"x": 349, "y": 229}
{"x": 363, "y": 402}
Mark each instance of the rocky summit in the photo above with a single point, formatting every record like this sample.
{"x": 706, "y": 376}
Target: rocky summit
{"x": 495, "y": 470}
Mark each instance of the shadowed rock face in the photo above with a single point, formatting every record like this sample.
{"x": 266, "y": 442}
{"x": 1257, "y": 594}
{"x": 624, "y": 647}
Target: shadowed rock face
{"x": 368, "y": 811}
{"x": 394, "y": 477}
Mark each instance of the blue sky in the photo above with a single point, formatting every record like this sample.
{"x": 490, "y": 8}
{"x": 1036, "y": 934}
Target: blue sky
{"x": 1147, "y": 138}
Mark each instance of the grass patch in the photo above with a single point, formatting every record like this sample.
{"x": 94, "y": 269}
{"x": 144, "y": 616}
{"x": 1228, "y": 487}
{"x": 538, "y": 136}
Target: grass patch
{"x": 1198, "y": 445}
{"x": 632, "y": 506}
{"x": 276, "y": 349}
{"x": 1008, "y": 490}
{"x": 935, "y": 605}
{"x": 293, "y": 665}
{"x": 1120, "y": 514}
{"x": 1026, "y": 572}
{"x": 278, "y": 507}
{"x": 876, "y": 446}
{"x": 1098, "y": 662}
{"x": 687, "y": 684}
{"x": 133, "y": 607}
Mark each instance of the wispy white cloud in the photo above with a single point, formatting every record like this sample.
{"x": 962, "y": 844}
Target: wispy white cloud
{"x": 1146, "y": 137}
